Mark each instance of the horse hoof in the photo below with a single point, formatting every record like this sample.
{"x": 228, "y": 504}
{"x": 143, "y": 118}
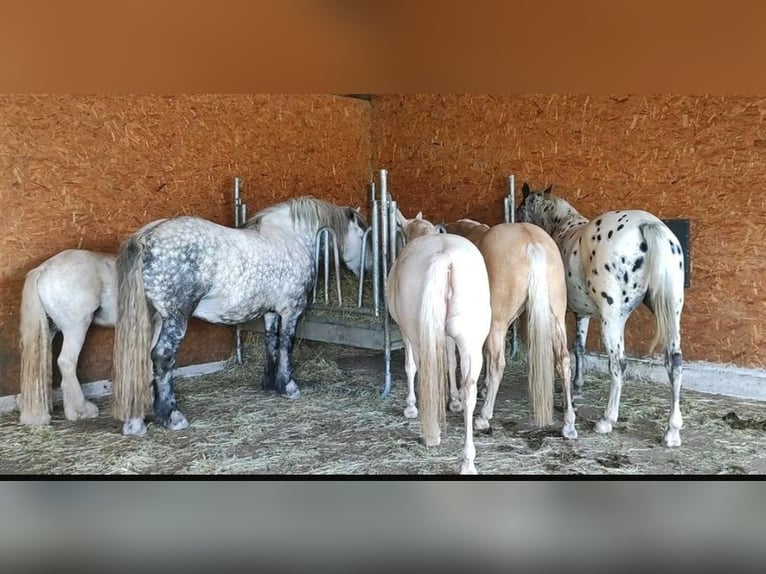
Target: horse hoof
{"x": 603, "y": 426}
{"x": 411, "y": 412}
{"x": 569, "y": 432}
{"x": 468, "y": 468}
{"x": 291, "y": 391}
{"x": 480, "y": 423}
{"x": 37, "y": 420}
{"x": 672, "y": 439}
{"x": 134, "y": 427}
{"x": 177, "y": 421}
{"x": 456, "y": 406}
{"x": 433, "y": 440}
{"x": 85, "y": 411}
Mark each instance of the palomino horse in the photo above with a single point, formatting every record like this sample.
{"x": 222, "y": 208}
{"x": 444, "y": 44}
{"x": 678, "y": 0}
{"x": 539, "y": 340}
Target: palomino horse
{"x": 468, "y": 228}
{"x": 412, "y": 228}
{"x": 186, "y": 266}
{"x": 66, "y": 293}
{"x": 524, "y": 266}
{"x": 438, "y": 288}
{"x": 613, "y": 264}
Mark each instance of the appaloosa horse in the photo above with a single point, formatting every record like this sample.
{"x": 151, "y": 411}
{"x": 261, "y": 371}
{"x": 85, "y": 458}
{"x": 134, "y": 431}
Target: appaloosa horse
{"x": 614, "y": 263}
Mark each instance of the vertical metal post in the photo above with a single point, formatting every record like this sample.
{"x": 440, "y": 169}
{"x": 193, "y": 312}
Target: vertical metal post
{"x": 384, "y": 223}
{"x": 510, "y": 217}
{"x": 240, "y": 210}
{"x": 393, "y": 228}
{"x": 376, "y": 257}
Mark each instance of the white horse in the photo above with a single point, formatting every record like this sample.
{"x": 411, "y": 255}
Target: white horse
{"x": 613, "y": 264}
{"x": 66, "y": 293}
{"x": 438, "y": 289}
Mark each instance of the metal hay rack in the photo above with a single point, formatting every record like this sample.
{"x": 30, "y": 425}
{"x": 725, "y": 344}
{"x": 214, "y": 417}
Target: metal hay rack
{"x": 364, "y": 325}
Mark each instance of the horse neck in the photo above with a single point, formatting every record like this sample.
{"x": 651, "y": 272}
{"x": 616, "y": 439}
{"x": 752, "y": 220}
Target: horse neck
{"x": 564, "y": 220}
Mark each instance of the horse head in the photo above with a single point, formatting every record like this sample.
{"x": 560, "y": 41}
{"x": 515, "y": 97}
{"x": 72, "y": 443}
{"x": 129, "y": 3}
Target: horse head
{"x": 416, "y": 226}
{"x": 535, "y": 207}
{"x": 355, "y": 242}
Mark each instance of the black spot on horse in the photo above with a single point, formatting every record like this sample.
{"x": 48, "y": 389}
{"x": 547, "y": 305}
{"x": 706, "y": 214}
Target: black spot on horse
{"x": 609, "y": 300}
{"x": 593, "y": 253}
{"x": 638, "y": 263}
{"x": 606, "y": 266}
{"x": 574, "y": 252}
{"x": 622, "y": 260}
{"x": 643, "y": 247}
{"x": 595, "y": 271}
{"x": 598, "y": 222}
{"x": 609, "y": 235}
{"x": 593, "y": 290}
{"x": 598, "y": 237}
{"x": 624, "y": 292}
{"x": 620, "y": 226}
{"x": 593, "y": 238}
{"x": 680, "y": 264}
{"x": 569, "y": 273}
{"x": 625, "y": 277}
{"x": 626, "y": 299}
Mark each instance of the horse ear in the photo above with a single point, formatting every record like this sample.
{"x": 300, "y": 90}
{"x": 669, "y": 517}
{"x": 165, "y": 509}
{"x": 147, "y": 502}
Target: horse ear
{"x": 547, "y": 190}
{"x": 419, "y": 215}
{"x": 525, "y": 190}
{"x": 400, "y": 219}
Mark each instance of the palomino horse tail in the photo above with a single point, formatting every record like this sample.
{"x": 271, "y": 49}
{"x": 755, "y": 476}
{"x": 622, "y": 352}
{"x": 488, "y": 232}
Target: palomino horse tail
{"x": 540, "y": 335}
{"x": 660, "y": 281}
{"x": 131, "y": 391}
{"x": 432, "y": 348}
{"x": 36, "y": 356}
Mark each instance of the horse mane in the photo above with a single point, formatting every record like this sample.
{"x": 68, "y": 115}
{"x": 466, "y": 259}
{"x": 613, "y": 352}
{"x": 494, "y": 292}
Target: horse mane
{"x": 562, "y": 209}
{"x": 310, "y": 213}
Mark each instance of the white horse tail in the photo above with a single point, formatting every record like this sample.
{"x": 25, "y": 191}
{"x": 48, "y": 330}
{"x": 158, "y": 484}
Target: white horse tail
{"x": 660, "y": 279}
{"x": 540, "y": 336}
{"x": 432, "y": 347}
{"x": 35, "y": 400}
{"x": 131, "y": 391}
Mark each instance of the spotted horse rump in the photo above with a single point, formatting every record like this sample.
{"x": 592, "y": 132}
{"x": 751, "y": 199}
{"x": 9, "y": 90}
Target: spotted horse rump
{"x": 614, "y": 263}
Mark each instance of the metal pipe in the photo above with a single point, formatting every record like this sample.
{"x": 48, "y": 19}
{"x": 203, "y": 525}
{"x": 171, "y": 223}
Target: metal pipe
{"x": 392, "y": 231}
{"x": 384, "y": 263}
{"x": 510, "y": 217}
{"x": 238, "y": 351}
{"x": 366, "y": 236}
{"x": 376, "y": 257}
{"x": 237, "y": 202}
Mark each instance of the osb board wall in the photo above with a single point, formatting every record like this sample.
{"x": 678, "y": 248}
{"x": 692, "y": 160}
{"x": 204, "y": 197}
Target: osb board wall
{"x": 87, "y": 171}
{"x": 696, "y": 157}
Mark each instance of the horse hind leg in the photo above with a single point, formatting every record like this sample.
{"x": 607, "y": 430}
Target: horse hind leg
{"x": 411, "y": 368}
{"x": 75, "y": 405}
{"x": 581, "y": 335}
{"x": 673, "y": 364}
{"x": 271, "y": 341}
{"x": 455, "y": 402}
{"x": 286, "y": 385}
{"x": 613, "y": 339}
{"x": 563, "y": 365}
{"x": 495, "y": 352}
{"x": 164, "y": 355}
{"x": 471, "y": 358}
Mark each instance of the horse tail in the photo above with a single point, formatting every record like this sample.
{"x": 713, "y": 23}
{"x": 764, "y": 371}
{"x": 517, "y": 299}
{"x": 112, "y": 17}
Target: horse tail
{"x": 131, "y": 392}
{"x": 35, "y": 400}
{"x": 540, "y": 336}
{"x": 432, "y": 346}
{"x": 663, "y": 285}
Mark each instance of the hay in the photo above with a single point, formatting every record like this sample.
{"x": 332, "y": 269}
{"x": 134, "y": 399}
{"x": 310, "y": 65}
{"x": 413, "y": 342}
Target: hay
{"x": 341, "y": 426}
